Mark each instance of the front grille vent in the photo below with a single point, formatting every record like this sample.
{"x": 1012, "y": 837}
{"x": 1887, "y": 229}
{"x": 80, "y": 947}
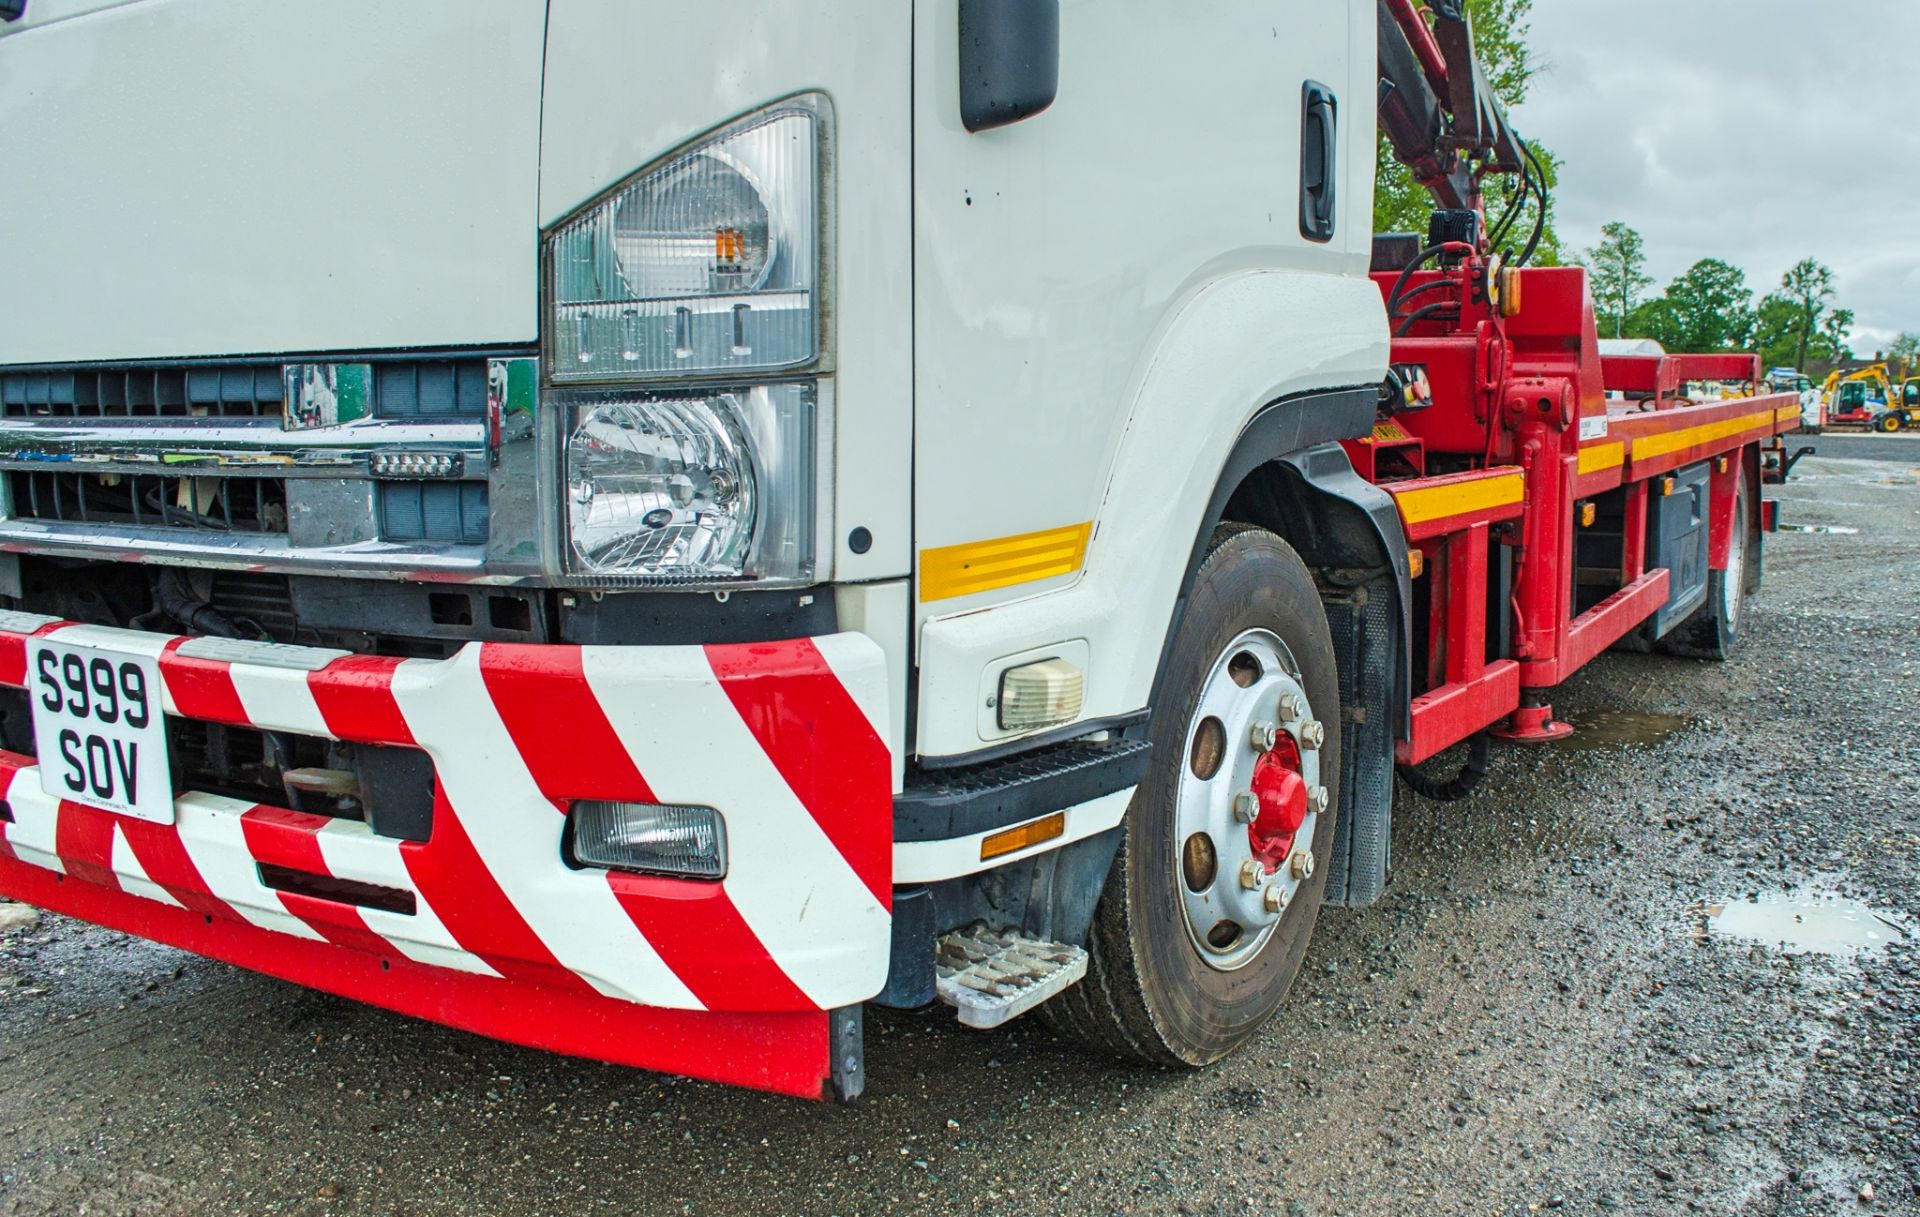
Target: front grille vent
{"x": 402, "y": 389}
{"x": 430, "y": 390}
{"x": 445, "y": 513}
{"x": 233, "y": 391}
{"x": 197, "y": 504}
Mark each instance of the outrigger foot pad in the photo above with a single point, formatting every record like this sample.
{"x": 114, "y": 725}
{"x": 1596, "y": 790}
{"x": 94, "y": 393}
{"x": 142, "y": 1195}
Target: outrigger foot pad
{"x": 1532, "y": 725}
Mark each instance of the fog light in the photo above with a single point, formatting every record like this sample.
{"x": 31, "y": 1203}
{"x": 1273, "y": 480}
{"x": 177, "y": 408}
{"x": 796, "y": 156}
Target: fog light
{"x": 1041, "y": 694}
{"x": 659, "y": 838}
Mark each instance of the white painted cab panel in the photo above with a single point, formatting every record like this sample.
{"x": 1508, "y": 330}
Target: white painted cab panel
{"x": 1104, "y": 295}
{"x": 221, "y": 177}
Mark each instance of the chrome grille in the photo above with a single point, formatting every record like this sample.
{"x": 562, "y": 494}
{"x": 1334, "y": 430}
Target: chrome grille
{"x": 204, "y": 462}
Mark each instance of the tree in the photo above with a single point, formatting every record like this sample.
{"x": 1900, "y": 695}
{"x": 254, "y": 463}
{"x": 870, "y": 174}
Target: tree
{"x": 1618, "y": 266}
{"x": 1656, "y": 319}
{"x": 1709, "y": 308}
{"x": 1905, "y": 349}
{"x": 1714, "y": 305}
{"x": 1833, "y": 334}
{"x": 1776, "y": 330}
{"x": 1808, "y": 285}
{"x": 1401, "y": 204}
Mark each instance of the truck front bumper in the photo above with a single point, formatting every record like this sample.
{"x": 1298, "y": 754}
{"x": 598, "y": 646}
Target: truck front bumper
{"x": 733, "y": 980}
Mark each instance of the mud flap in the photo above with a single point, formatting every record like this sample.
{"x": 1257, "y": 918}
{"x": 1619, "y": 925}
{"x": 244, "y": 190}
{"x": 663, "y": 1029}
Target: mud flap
{"x": 1365, "y": 625}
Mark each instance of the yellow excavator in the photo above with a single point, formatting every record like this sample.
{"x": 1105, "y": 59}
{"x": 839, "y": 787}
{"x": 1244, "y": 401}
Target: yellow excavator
{"x": 1869, "y": 397}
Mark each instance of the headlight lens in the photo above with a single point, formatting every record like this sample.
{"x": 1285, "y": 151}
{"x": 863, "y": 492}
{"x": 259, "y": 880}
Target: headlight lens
{"x": 705, "y": 262}
{"x": 706, "y": 488}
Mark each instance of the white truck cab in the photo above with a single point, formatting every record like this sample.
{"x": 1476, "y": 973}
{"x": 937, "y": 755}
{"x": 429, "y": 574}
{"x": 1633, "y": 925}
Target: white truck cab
{"x": 658, "y": 513}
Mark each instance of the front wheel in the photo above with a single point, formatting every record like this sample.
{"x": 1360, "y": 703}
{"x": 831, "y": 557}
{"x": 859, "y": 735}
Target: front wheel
{"x": 1206, "y": 914}
{"x": 1887, "y": 424}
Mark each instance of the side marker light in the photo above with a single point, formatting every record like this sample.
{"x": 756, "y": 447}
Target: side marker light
{"x": 1021, "y": 836}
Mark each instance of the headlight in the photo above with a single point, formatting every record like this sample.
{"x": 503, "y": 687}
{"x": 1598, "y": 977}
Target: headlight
{"x": 707, "y": 261}
{"x": 703, "y": 488}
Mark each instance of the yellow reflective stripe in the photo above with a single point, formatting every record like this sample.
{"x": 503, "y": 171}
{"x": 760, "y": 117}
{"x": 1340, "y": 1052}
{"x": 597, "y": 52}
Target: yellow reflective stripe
{"x": 1603, "y": 456}
{"x": 1659, "y": 445}
{"x": 1787, "y": 414}
{"x": 1459, "y": 498}
{"x": 982, "y": 566}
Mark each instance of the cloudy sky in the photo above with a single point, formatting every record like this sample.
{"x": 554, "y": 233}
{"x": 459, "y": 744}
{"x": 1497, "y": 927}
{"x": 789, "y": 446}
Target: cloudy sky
{"x": 1755, "y": 131}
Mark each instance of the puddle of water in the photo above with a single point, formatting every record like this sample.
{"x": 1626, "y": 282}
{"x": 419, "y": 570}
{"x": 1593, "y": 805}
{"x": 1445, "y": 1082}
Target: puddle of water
{"x": 1840, "y": 530}
{"x": 1621, "y": 729}
{"x": 1804, "y": 922}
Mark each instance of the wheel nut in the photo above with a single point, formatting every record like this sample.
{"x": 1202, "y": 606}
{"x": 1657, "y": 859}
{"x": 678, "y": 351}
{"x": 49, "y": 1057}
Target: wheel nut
{"x": 1289, "y": 706}
{"x": 1251, "y": 873}
{"x": 1274, "y": 898}
{"x": 1312, "y": 734}
{"x": 1301, "y": 864}
{"x": 1265, "y": 736}
{"x": 1318, "y": 799}
{"x": 1246, "y": 806}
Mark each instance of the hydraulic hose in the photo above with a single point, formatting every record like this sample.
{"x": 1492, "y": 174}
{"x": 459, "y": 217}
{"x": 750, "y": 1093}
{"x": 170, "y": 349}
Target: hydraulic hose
{"x": 1440, "y": 309}
{"x": 1460, "y": 785}
{"x": 1406, "y": 273}
{"x": 174, "y": 597}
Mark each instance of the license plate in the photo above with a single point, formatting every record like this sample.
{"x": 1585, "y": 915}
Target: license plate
{"x": 98, "y": 729}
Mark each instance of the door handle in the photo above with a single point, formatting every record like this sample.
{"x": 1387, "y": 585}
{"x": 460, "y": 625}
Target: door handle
{"x": 1318, "y": 161}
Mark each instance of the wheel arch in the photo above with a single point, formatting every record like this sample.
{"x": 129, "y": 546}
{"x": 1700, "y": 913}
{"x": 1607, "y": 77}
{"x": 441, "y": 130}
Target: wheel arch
{"x": 1284, "y": 475}
{"x": 1309, "y": 495}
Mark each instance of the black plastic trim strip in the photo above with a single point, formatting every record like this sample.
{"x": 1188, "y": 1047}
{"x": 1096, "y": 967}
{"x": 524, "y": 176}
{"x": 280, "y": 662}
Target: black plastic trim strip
{"x": 1130, "y": 724}
{"x": 950, "y": 803}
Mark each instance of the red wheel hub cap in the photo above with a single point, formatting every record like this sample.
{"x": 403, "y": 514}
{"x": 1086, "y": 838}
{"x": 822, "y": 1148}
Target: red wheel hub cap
{"x": 1282, "y": 793}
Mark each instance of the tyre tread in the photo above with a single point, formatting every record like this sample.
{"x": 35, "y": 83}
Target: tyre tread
{"x": 1108, "y": 1010}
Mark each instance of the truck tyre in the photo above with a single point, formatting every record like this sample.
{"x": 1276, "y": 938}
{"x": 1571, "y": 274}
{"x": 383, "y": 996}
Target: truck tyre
{"x": 1212, "y": 898}
{"x": 1714, "y": 628}
{"x": 1889, "y": 423}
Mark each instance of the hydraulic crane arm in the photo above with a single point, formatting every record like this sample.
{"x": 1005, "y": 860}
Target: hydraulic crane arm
{"x": 1439, "y": 112}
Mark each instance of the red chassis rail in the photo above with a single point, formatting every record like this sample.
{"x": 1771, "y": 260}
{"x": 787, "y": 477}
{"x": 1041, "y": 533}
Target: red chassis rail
{"x": 1530, "y": 437}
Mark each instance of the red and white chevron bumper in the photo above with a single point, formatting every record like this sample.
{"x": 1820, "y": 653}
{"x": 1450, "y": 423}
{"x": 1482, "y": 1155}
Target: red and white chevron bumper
{"x": 730, "y": 980}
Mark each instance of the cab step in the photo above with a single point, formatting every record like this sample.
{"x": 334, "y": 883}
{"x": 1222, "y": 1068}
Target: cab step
{"x": 990, "y": 976}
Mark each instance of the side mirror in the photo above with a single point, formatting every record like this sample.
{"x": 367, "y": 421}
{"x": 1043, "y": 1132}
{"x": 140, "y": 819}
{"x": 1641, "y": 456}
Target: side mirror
{"x": 1009, "y": 60}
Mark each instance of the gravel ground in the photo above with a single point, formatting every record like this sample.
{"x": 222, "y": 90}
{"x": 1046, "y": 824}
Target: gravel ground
{"x": 1535, "y": 1018}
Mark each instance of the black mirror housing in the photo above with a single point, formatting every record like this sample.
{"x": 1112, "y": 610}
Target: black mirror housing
{"x": 1009, "y": 60}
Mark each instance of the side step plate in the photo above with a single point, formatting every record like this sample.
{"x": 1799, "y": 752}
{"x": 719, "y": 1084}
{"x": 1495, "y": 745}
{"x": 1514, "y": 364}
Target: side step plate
{"x": 990, "y": 976}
